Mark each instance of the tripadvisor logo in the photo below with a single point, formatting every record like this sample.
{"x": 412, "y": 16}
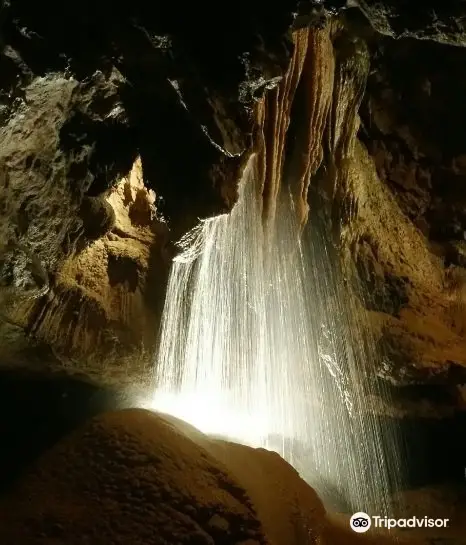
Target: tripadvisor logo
{"x": 361, "y": 522}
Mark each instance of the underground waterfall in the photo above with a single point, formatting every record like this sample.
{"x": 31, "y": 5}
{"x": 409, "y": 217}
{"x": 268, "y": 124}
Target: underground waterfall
{"x": 259, "y": 346}
{"x": 233, "y": 274}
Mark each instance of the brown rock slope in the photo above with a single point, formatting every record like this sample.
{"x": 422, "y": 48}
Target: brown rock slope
{"x": 141, "y": 478}
{"x": 106, "y": 296}
{"x": 134, "y": 477}
{"x": 74, "y": 115}
{"x": 404, "y": 218}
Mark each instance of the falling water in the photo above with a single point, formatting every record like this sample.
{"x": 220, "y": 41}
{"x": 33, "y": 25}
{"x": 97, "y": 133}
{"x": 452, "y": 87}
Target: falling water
{"x": 257, "y": 346}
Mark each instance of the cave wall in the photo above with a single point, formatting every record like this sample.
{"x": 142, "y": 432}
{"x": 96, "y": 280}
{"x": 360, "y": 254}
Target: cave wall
{"x": 407, "y": 229}
{"x": 106, "y": 297}
{"x": 85, "y": 252}
{"x": 119, "y": 131}
{"x": 87, "y": 93}
{"x": 381, "y": 142}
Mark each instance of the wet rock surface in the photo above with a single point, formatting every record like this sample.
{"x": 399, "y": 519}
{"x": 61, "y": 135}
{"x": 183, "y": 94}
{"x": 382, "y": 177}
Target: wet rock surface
{"x": 40, "y": 459}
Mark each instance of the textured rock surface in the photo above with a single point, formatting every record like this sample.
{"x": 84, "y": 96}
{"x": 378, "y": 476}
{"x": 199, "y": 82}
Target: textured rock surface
{"x": 443, "y": 22}
{"x": 291, "y": 121}
{"x": 406, "y": 229}
{"x": 133, "y": 476}
{"x": 84, "y": 259}
{"x": 106, "y": 297}
{"x": 79, "y": 102}
{"x": 124, "y": 470}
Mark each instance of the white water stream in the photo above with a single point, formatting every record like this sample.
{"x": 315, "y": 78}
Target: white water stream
{"x": 258, "y": 346}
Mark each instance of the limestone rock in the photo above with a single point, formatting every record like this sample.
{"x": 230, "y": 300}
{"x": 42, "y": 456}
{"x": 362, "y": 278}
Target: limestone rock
{"x": 81, "y": 269}
{"x": 444, "y": 22}
{"x": 408, "y": 244}
{"x": 137, "y": 477}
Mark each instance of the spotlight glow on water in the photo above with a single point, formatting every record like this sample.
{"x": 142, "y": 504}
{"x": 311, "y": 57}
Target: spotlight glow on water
{"x": 213, "y": 413}
{"x": 258, "y": 346}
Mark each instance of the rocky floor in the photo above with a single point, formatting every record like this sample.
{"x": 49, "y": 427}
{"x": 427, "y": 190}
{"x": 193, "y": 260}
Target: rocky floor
{"x": 40, "y": 459}
{"x": 137, "y": 476}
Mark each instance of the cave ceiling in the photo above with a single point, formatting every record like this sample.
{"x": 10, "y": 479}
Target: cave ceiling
{"x": 122, "y": 125}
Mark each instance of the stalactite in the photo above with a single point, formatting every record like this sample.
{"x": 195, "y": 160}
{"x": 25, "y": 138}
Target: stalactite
{"x": 290, "y": 151}
{"x": 273, "y": 118}
{"x": 310, "y": 118}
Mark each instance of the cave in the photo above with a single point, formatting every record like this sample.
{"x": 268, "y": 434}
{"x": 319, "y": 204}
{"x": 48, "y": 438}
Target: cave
{"x": 232, "y": 273}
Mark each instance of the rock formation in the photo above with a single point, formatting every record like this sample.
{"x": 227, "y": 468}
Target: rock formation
{"x": 122, "y": 126}
{"x": 85, "y": 252}
{"x": 76, "y": 113}
{"x": 134, "y": 476}
{"x": 405, "y": 235}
